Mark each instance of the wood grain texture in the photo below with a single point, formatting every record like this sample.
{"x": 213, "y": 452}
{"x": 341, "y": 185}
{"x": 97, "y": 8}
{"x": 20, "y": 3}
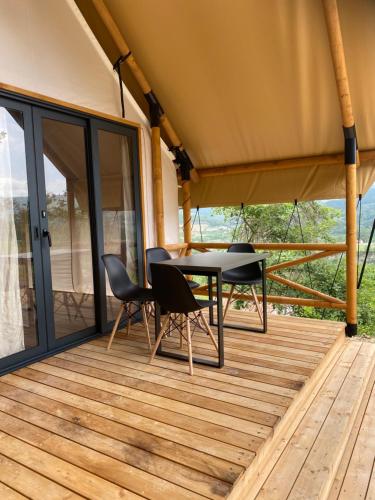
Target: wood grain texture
{"x": 99, "y": 424}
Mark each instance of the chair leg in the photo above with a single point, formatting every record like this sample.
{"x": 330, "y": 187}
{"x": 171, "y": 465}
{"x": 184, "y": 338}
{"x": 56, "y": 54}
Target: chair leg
{"x": 190, "y": 351}
{"x": 145, "y": 322}
{"x": 209, "y": 331}
{"x": 257, "y": 305}
{"x": 228, "y": 301}
{"x": 115, "y": 326}
{"x": 160, "y": 336}
{"x": 181, "y": 321}
{"x": 129, "y": 311}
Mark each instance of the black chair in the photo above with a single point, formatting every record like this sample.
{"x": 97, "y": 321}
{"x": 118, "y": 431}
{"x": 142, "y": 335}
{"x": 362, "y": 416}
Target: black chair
{"x": 129, "y": 293}
{"x": 158, "y": 254}
{"x": 174, "y": 295}
{"x": 244, "y": 276}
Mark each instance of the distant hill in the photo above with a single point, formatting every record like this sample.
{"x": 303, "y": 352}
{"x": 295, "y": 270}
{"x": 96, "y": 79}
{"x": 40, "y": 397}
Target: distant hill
{"x": 368, "y": 214}
{"x": 215, "y": 229}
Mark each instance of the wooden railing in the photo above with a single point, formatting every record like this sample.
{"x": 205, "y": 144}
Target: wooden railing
{"x": 320, "y": 251}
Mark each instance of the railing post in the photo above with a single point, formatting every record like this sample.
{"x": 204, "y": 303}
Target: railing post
{"x": 342, "y": 83}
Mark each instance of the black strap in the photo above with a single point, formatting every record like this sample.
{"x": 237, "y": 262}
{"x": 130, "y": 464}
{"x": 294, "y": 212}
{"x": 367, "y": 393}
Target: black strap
{"x": 117, "y": 67}
{"x": 240, "y": 213}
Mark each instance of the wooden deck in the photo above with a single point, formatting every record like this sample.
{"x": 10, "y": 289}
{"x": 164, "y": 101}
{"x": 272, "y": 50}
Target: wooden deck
{"x": 97, "y": 424}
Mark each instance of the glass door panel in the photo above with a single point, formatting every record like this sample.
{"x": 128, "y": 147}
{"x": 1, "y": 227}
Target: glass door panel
{"x": 118, "y": 205}
{"x": 66, "y": 226}
{"x": 19, "y": 245}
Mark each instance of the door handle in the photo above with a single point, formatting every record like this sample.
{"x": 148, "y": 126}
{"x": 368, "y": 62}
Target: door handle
{"x": 47, "y": 234}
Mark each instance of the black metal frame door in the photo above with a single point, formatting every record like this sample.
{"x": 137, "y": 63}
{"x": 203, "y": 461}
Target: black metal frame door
{"x": 38, "y": 308}
{"x": 95, "y": 127}
{"x": 47, "y": 242}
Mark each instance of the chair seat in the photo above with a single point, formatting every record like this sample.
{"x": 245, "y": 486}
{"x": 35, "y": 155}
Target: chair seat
{"x": 238, "y": 281}
{"x": 138, "y": 293}
{"x": 192, "y": 284}
{"x": 206, "y": 303}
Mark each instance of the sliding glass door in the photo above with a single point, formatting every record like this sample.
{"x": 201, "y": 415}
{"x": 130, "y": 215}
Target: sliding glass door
{"x": 22, "y": 307}
{"x": 61, "y": 158}
{"x": 69, "y": 192}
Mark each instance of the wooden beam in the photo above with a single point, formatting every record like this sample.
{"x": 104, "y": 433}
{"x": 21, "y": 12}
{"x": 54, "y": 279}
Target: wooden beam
{"x": 339, "y": 247}
{"x": 268, "y": 166}
{"x": 282, "y": 299}
{"x": 297, "y": 262}
{"x": 343, "y": 90}
{"x": 157, "y": 184}
{"x": 138, "y": 74}
{"x": 303, "y": 288}
{"x": 186, "y": 207}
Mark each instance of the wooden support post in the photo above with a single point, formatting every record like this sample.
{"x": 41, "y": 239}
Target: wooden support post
{"x": 157, "y": 178}
{"x": 186, "y": 207}
{"x": 338, "y": 58}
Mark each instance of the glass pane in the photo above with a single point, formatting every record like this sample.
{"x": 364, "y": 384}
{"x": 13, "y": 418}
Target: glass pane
{"x": 118, "y": 206}
{"x": 18, "y": 324}
{"x": 69, "y": 225}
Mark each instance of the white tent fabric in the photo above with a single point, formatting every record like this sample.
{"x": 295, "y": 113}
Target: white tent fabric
{"x": 244, "y": 81}
{"x": 48, "y": 48}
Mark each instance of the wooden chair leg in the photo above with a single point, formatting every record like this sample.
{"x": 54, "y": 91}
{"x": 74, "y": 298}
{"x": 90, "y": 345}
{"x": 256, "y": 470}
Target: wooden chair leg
{"x": 181, "y": 321}
{"x": 209, "y": 331}
{"x": 190, "y": 350}
{"x": 129, "y": 311}
{"x": 115, "y": 326}
{"x": 160, "y": 336}
{"x": 257, "y": 305}
{"x": 228, "y": 301}
{"x": 145, "y": 322}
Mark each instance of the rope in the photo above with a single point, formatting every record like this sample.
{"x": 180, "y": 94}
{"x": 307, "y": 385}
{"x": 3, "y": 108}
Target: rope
{"x": 359, "y": 204}
{"x": 283, "y": 241}
{"x": 197, "y": 214}
{"x": 303, "y": 241}
{"x": 333, "y": 282}
{"x": 366, "y": 255}
{"x": 240, "y": 213}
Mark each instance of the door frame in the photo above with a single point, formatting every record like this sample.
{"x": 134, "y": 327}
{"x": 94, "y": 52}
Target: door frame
{"x": 43, "y": 106}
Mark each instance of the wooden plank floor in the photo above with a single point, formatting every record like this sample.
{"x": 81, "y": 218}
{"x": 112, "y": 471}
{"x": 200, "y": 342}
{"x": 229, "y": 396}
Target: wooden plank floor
{"x": 332, "y": 452}
{"x": 105, "y": 424}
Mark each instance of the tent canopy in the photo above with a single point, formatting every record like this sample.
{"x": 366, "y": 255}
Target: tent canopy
{"x": 245, "y": 81}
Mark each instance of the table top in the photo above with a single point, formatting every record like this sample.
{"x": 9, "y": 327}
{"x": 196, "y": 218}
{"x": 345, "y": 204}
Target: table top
{"x": 215, "y": 262}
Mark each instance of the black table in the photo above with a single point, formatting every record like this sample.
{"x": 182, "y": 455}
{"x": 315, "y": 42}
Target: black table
{"x": 213, "y": 264}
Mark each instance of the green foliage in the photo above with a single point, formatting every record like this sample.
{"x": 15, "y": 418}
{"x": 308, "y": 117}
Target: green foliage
{"x": 275, "y": 223}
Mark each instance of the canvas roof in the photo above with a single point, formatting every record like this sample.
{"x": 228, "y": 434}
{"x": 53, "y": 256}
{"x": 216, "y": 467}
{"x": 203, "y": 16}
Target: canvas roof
{"x": 244, "y": 81}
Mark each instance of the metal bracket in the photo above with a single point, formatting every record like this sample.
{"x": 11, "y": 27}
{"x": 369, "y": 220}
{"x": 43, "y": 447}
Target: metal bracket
{"x": 182, "y": 159}
{"x": 351, "y": 329}
{"x": 350, "y": 137}
{"x": 156, "y": 111}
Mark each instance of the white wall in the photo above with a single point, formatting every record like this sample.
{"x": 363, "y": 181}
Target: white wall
{"x": 47, "y": 47}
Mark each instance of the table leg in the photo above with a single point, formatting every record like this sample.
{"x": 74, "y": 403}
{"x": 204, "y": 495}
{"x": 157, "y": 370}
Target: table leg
{"x": 264, "y": 296}
{"x": 157, "y": 324}
{"x": 210, "y": 297}
{"x": 220, "y": 331}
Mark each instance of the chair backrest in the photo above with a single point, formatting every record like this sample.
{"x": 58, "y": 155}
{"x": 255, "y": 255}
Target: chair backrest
{"x": 118, "y": 275}
{"x": 248, "y": 272}
{"x": 171, "y": 290}
{"x": 155, "y": 255}
{"x": 241, "y": 248}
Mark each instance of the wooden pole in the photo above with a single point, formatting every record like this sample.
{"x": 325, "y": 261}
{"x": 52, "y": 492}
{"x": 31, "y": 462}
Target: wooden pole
{"x": 157, "y": 184}
{"x": 138, "y": 74}
{"x": 342, "y": 83}
{"x": 329, "y": 160}
{"x": 186, "y": 208}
